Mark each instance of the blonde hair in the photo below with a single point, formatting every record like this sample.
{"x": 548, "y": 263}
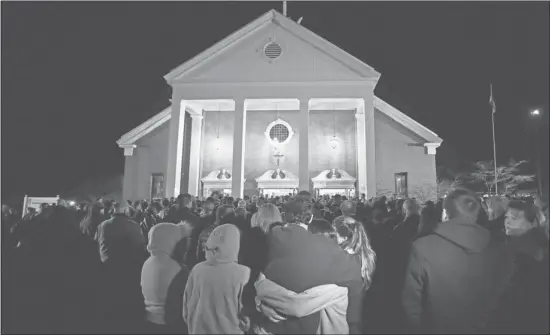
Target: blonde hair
{"x": 267, "y": 215}
{"x": 357, "y": 242}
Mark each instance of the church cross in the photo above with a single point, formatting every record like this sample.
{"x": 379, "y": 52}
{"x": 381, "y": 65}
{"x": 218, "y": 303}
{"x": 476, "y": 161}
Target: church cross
{"x": 278, "y": 155}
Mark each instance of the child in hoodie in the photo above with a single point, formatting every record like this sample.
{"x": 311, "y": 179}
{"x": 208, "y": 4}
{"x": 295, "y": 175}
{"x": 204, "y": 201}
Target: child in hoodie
{"x": 158, "y": 273}
{"x": 212, "y": 302}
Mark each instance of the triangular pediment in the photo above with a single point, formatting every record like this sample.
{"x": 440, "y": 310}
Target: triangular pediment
{"x": 242, "y": 57}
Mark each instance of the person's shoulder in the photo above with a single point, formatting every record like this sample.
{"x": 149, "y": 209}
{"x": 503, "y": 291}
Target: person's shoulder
{"x": 241, "y": 271}
{"x": 426, "y": 244}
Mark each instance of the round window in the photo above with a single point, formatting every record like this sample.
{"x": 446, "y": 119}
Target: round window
{"x": 279, "y": 132}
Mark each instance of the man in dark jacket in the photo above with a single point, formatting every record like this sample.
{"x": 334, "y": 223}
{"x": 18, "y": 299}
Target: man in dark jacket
{"x": 181, "y": 211}
{"x": 456, "y": 275}
{"x": 299, "y": 260}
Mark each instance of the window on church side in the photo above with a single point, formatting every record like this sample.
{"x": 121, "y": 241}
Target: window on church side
{"x": 157, "y": 185}
{"x": 401, "y": 185}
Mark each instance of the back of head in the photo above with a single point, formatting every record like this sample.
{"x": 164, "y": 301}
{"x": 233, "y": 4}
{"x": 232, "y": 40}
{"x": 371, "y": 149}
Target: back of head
{"x": 223, "y": 244}
{"x": 240, "y": 212}
{"x": 163, "y": 238}
{"x": 323, "y": 227}
{"x": 304, "y": 195}
{"x": 462, "y": 203}
{"x": 186, "y": 200}
{"x": 410, "y": 207}
{"x": 224, "y": 211}
{"x": 209, "y": 206}
{"x": 348, "y": 208}
{"x": 267, "y": 215}
{"x": 118, "y": 208}
{"x": 242, "y": 204}
{"x": 298, "y": 211}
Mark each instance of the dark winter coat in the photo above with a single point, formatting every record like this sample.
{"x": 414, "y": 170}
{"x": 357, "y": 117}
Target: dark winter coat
{"x": 453, "y": 279}
{"x": 299, "y": 260}
{"x": 524, "y": 307}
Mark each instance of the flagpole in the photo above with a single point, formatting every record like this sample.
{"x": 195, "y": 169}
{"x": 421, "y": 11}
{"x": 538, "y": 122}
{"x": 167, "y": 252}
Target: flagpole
{"x": 493, "y": 105}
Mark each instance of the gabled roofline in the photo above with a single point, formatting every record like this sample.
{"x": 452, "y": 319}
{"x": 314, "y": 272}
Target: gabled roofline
{"x": 406, "y": 121}
{"x": 129, "y": 139}
{"x": 286, "y": 23}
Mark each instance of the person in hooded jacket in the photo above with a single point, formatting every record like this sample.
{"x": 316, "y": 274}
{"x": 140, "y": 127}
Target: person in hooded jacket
{"x": 212, "y": 302}
{"x": 456, "y": 275}
{"x": 158, "y": 273}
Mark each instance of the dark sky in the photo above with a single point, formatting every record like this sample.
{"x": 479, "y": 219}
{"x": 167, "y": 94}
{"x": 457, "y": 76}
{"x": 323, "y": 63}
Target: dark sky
{"x": 76, "y": 76}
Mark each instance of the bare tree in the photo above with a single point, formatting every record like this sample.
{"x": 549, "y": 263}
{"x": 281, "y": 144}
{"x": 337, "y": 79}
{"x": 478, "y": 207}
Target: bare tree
{"x": 424, "y": 192}
{"x": 509, "y": 177}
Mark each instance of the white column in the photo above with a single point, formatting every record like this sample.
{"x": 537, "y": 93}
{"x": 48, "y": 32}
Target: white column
{"x": 195, "y": 154}
{"x": 361, "y": 148}
{"x": 239, "y": 147}
{"x": 370, "y": 145}
{"x": 175, "y": 147}
{"x": 303, "y": 151}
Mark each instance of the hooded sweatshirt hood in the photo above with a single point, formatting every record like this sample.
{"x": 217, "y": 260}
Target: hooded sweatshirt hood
{"x": 223, "y": 244}
{"x": 163, "y": 238}
{"x": 160, "y": 269}
{"x": 471, "y": 237}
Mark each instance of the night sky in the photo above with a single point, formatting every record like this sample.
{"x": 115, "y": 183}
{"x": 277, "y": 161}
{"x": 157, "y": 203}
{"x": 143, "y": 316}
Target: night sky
{"x": 77, "y": 76}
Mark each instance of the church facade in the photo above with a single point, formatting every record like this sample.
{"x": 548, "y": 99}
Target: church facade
{"x": 273, "y": 109}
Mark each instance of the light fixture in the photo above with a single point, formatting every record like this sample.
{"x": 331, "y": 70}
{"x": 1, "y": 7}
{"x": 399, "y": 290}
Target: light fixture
{"x": 217, "y": 140}
{"x": 333, "y": 140}
{"x": 536, "y": 112}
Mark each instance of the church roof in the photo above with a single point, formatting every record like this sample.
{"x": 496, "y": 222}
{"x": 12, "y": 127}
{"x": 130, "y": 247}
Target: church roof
{"x": 393, "y": 113}
{"x": 129, "y": 139}
{"x": 288, "y": 24}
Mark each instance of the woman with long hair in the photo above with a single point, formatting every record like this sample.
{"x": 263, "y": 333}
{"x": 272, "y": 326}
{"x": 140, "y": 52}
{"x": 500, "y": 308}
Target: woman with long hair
{"x": 353, "y": 239}
{"x": 253, "y": 252}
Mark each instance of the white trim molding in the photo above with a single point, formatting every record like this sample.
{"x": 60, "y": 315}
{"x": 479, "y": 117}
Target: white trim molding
{"x": 145, "y": 128}
{"x": 128, "y": 149}
{"x": 338, "y": 104}
{"x": 431, "y": 148}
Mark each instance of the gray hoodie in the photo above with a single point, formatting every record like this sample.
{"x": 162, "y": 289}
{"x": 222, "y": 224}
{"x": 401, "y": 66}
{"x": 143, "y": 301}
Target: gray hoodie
{"x": 212, "y": 301}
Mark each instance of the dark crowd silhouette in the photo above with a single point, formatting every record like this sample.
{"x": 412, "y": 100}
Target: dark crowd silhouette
{"x": 278, "y": 265}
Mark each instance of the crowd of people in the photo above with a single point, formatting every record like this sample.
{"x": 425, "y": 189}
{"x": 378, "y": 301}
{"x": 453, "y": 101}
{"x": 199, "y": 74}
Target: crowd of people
{"x": 281, "y": 265}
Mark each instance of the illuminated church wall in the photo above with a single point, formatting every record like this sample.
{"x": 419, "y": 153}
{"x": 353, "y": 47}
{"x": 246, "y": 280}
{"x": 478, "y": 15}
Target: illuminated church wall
{"x": 396, "y": 153}
{"x": 212, "y": 159}
{"x": 150, "y": 156}
{"x": 321, "y": 130}
{"x": 259, "y": 151}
